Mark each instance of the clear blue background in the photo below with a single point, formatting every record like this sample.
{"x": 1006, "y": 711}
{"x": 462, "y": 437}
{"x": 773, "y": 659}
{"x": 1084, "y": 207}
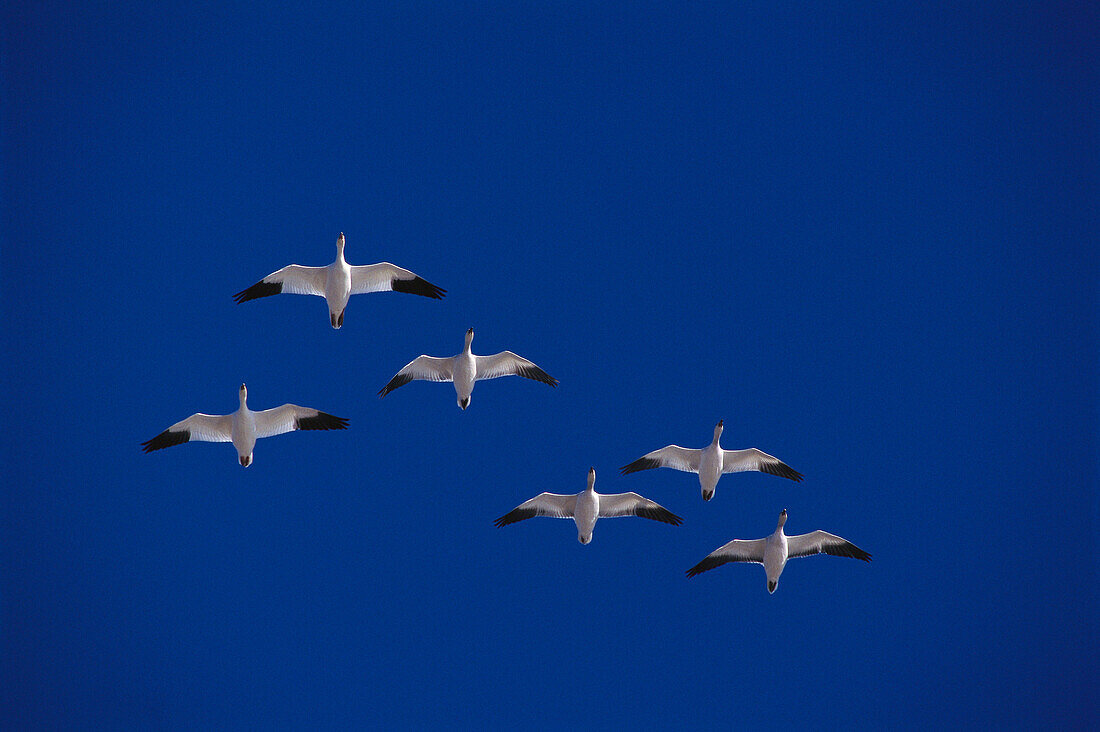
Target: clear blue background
{"x": 865, "y": 236}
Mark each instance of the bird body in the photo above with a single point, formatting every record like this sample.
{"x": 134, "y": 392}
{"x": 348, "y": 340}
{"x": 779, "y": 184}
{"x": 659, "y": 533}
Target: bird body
{"x": 775, "y": 555}
{"x": 464, "y": 370}
{"x": 710, "y": 465}
{"x": 587, "y": 510}
{"x": 244, "y": 429}
{"x": 338, "y": 285}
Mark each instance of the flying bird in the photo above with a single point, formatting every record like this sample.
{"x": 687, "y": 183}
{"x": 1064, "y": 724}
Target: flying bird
{"x": 339, "y": 281}
{"x": 587, "y": 506}
{"x": 466, "y": 368}
{"x": 774, "y": 551}
{"x": 711, "y": 462}
{"x": 244, "y": 427}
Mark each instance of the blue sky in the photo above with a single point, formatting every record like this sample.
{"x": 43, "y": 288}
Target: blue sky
{"x": 863, "y": 235}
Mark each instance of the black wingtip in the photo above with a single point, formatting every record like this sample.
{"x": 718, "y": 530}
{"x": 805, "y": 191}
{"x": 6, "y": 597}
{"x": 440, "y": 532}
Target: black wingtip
{"x": 534, "y": 372}
{"x": 260, "y": 289}
{"x": 660, "y": 514}
{"x": 323, "y": 421}
{"x": 782, "y": 470}
{"x": 418, "y": 286}
{"x": 703, "y": 566}
{"x": 516, "y": 514}
{"x": 639, "y": 464}
{"x": 166, "y": 439}
{"x": 397, "y": 381}
{"x": 847, "y": 549}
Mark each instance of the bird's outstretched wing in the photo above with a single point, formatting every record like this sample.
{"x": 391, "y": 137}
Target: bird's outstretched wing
{"x": 673, "y": 456}
{"x": 293, "y": 279}
{"x": 200, "y": 427}
{"x": 631, "y": 504}
{"x": 738, "y": 550}
{"x": 553, "y": 505}
{"x": 424, "y": 368}
{"x": 739, "y": 461}
{"x": 290, "y": 417}
{"x": 383, "y": 277}
{"x": 822, "y": 542}
{"x": 507, "y": 363}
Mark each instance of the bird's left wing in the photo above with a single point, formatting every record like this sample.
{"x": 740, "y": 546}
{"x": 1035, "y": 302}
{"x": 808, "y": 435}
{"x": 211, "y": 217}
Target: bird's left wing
{"x": 199, "y": 427}
{"x": 384, "y": 276}
{"x": 739, "y": 461}
{"x": 553, "y": 505}
{"x": 631, "y": 504}
{"x": 738, "y": 550}
{"x": 507, "y": 363}
{"x": 425, "y": 368}
{"x": 822, "y": 542}
{"x": 670, "y": 456}
{"x": 290, "y": 417}
{"x": 293, "y": 278}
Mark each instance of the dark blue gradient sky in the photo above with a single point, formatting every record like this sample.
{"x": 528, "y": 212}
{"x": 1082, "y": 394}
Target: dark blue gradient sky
{"x": 864, "y": 235}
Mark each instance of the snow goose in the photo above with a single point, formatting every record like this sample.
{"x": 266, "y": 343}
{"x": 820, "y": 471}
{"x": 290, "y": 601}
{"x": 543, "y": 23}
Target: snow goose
{"x": 244, "y": 427}
{"x": 466, "y": 368}
{"x": 711, "y": 462}
{"x": 587, "y": 506}
{"x": 339, "y": 281}
{"x": 774, "y": 551}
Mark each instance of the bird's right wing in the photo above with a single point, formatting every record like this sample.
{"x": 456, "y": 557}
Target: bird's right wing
{"x": 739, "y": 461}
{"x": 631, "y": 504}
{"x": 293, "y": 278}
{"x": 290, "y": 417}
{"x": 507, "y": 363}
{"x": 738, "y": 550}
{"x": 424, "y": 368}
{"x": 384, "y": 276}
{"x": 822, "y": 542}
{"x": 677, "y": 458}
{"x": 553, "y": 505}
{"x": 200, "y": 427}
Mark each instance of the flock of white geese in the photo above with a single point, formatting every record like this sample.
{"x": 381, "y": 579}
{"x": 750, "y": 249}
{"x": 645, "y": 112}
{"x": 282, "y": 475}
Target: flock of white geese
{"x": 338, "y": 281}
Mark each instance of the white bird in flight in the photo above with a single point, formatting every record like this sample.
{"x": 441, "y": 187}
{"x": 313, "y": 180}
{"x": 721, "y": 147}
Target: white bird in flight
{"x": 774, "y": 551}
{"x": 244, "y": 427}
{"x": 339, "y": 281}
{"x": 588, "y": 506}
{"x": 466, "y": 368}
{"x": 711, "y": 462}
